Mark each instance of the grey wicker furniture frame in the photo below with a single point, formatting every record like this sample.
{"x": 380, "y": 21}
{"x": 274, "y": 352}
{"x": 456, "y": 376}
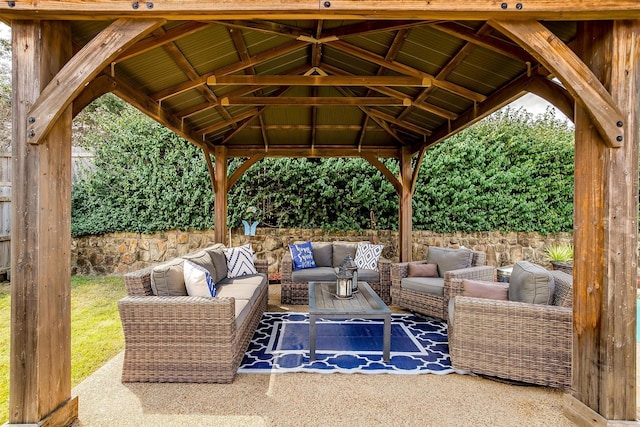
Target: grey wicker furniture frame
{"x": 435, "y": 305}
{"x": 297, "y": 293}
{"x": 181, "y": 338}
{"x": 522, "y": 342}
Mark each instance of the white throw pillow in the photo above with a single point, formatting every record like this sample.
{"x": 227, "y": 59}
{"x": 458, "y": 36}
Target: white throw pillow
{"x": 239, "y": 261}
{"x": 367, "y": 256}
{"x": 198, "y": 281}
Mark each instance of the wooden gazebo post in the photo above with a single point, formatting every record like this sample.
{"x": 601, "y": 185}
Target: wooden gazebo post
{"x": 605, "y": 235}
{"x": 40, "y": 383}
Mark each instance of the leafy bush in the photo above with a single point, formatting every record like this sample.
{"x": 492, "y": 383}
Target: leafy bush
{"x": 509, "y": 172}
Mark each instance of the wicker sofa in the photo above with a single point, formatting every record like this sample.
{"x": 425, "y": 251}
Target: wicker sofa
{"x": 328, "y": 256}
{"x": 512, "y": 340}
{"x": 180, "y": 338}
{"x": 429, "y": 296}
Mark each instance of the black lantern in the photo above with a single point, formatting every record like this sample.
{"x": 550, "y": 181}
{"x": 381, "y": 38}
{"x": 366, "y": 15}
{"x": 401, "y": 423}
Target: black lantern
{"x": 352, "y": 268}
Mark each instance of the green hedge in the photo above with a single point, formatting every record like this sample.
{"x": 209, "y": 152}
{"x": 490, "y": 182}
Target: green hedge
{"x": 509, "y": 172}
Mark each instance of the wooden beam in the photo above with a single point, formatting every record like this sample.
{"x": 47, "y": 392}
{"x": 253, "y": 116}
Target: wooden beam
{"x": 370, "y": 27}
{"x": 210, "y": 168}
{"x": 406, "y": 70}
{"x": 388, "y": 118}
{"x": 384, "y": 171}
{"x": 350, "y": 128}
{"x": 605, "y": 235}
{"x": 80, "y": 70}
{"x": 267, "y": 27}
{"x": 255, "y": 158}
{"x": 169, "y": 36}
{"x": 486, "y": 41}
{"x": 579, "y": 80}
{"x": 220, "y": 202}
{"x": 297, "y": 150}
{"x": 405, "y": 222}
{"x": 223, "y": 124}
{"x": 230, "y": 69}
{"x": 40, "y": 350}
{"x": 315, "y": 80}
{"x": 554, "y": 93}
{"x": 315, "y": 101}
{"x": 94, "y": 90}
{"x": 181, "y": 10}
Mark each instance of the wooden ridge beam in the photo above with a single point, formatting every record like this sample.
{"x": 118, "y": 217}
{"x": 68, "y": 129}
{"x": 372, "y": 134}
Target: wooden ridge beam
{"x": 315, "y": 101}
{"x": 80, "y": 70}
{"x": 297, "y": 151}
{"x": 316, "y": 80}
{"x": 579, "y": 80}
{"x": 406, "y": 70}
{"x": 183, "y": 10}
{"x": 229, "y": 69}
{"x": 349, "y": 128}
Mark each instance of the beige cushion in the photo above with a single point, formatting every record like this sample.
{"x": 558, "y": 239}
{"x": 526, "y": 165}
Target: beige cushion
{"x": 168, "y": 279}
{"x": 481, "y": 289}
{"x": 424, "y": 285}
{"x": 422, "y": 270}
{"x": 341, "y": 250}
{"x": 203, "y": 259}
{"x": 242, "y": 311}
{"x": 237, "y": 291}
{"x": 449, "y": 259}
{"x": 531, "y": 283}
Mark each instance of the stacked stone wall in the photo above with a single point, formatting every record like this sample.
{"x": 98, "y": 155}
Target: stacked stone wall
{"x": 119, "y": 253}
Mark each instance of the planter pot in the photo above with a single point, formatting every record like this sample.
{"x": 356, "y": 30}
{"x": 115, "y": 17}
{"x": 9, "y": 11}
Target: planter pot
{"x": 567, "y": 267}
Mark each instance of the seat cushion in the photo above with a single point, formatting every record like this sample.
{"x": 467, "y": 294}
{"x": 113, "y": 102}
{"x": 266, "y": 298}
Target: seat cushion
{"x": 531, "y": 283}
{"x": 168, "y": 279}
{"x": 322, "y": 254}
{"x": 318, "y": 274}
{"x": 245, "y": 291}
{"x": 341, "y": 250}
{"x": 365, "y": 275}
{"x": 449, "y": 259}
{"x": 424, "y": 285}
{"x": 243, "y": 307}
{"x": 249, "y": 279}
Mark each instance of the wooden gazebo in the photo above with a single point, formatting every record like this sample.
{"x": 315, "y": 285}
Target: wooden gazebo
{"x": 330, "y": 78}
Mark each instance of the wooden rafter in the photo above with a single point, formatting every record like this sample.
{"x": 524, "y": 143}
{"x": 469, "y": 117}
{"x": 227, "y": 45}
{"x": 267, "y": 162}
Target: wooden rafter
{"x": 370, "y": 128}
{"x": 294, "y": 151}
{"x": 370, "y": 27}
{"x": 229, "y": 69}
{"x": 406, "y": 70}
{"x": 315, "y": 101}
{"x": 391, "y": 119}
{"x": 484, "y": 40}
{"x": 396, "y": 94}
{"x": 315, "y": 80}
{"x": 169, "y": 36}
{"x": 80, "y": 70}
{"x": 579, "y": 80}
{"x": 451, "y": 65}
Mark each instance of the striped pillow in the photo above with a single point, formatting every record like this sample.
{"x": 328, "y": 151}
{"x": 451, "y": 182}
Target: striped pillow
{"x": 239, "y": 261}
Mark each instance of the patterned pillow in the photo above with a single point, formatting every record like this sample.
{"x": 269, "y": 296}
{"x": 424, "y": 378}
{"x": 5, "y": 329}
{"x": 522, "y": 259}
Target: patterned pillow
{"x": 367, "y": 256}
{"x": 198, "y": 281}
{"x": 302, "y": 255}
{"x": 239, "y": 261}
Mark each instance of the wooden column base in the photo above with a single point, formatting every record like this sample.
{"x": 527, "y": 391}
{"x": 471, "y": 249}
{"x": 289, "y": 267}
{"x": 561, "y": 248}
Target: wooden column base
{"x": 63, "y": 415}
{"x": 582, "y": 415}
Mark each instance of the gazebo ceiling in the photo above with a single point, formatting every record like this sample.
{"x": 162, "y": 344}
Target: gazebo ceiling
{"x": 316, "y": 87}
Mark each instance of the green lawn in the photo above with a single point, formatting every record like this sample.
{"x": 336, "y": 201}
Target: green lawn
{"x": 96, "y": 334}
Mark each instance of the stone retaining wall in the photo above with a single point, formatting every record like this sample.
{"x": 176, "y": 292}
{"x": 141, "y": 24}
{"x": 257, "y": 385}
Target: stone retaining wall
{"x": 119, "y": 253}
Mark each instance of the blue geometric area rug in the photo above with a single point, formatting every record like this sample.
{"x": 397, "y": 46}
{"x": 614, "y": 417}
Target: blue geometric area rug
{"x": 281, "y": 345}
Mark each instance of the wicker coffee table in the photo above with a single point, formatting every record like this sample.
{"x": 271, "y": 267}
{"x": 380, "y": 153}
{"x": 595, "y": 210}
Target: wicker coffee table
{"x": 323, "y": 303}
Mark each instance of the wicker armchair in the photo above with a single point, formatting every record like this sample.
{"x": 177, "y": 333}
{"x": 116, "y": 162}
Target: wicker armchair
{"x": 184, "y": 338}
{"x": 516, "y": 341}
{"x": 435, "y": 305}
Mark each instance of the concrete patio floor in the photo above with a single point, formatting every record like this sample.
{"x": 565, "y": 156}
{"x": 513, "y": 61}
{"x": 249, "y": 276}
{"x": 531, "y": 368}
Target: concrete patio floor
{"x": 316, "y": 399}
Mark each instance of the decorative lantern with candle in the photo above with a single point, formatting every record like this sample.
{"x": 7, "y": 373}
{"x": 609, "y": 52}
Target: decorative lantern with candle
{"x": 350, "y": 265}
{"x": 343, "y": 284}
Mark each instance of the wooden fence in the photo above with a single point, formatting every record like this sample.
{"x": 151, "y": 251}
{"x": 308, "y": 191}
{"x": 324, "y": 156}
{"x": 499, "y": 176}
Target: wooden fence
{"x": 79, "y": 160}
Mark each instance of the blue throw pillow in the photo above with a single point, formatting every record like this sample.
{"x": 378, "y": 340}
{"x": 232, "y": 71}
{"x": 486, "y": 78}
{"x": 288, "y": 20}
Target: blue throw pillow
{"x": 302, "y": 255}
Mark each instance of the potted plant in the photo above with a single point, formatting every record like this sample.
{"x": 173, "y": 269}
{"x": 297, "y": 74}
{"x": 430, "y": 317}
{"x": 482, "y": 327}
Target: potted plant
{"x": 561, "y": 256}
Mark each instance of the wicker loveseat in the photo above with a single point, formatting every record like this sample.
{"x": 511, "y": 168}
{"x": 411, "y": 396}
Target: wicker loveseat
{"x": 512, "y": 340}
{"x": 328, "y": 257}
{"x": 179, "y": 338}
{"x": 430, "y": 296}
